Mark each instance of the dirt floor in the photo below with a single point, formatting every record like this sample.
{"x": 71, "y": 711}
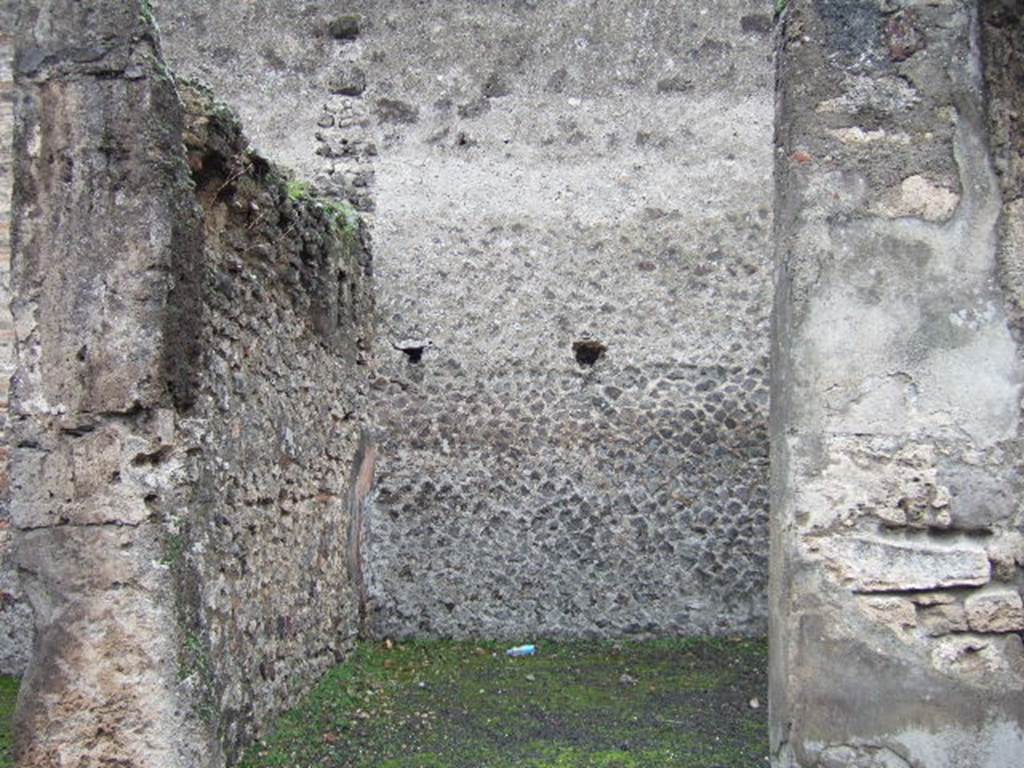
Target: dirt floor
{"x": 661, "y": 704}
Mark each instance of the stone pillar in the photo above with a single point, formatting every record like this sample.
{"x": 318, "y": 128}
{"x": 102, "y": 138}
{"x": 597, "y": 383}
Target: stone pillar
{"x": 15, "y": 616}
{"x": 896, "y": 402}
{"x": 102, "y": 206}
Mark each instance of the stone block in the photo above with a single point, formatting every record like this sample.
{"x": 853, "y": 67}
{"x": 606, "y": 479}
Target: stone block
{"x": 96, "y": 461}
{"x": 348, "y": 81}
{"x": 927, "y": 599}
{"x": 878, "y": 565}
{"x": 1007, "y": 556}
{"x": 345, "y": 27}
{"x": 41, "y": 482}
{"x": 995, "y": 610}
{"x": 897, "y": 613}
{"x": 938, "y": 620}
{"x": 977, "y": 657}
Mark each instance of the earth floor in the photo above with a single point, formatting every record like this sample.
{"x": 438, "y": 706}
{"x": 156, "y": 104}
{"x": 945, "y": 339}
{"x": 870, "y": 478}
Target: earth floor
{"x": 682, "y": 703}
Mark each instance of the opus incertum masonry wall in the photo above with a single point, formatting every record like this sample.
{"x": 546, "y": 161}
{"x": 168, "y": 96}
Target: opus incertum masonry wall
{"x": 897, "y": 381}
{"x": 570, "y": 206}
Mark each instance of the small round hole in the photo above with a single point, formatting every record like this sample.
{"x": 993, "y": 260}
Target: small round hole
{"x": 588, "y": 352}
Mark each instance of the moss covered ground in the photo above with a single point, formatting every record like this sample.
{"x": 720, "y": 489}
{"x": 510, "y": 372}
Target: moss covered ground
{"x": 8, "y": 693}
{"x": 665, "y": 704}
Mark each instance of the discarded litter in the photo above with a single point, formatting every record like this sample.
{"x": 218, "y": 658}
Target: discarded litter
{"x": 521, "y": 650}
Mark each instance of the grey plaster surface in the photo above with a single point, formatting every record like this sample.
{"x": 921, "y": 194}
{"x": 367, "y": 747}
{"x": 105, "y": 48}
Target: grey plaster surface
{"x": 15, "y": 615}
{"x": 896, "y": 397}
{"x": 96, "y": 227}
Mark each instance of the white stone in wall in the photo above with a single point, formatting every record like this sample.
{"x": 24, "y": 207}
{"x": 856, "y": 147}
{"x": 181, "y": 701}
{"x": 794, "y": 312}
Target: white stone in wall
{"x": 876, "y": 565}
{"x": 976, "y": 657}
{"x": 919, "y": 196}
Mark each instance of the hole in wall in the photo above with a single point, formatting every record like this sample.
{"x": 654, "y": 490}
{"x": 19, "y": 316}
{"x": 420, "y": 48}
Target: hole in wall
{"x": 415, "y": 354}
{"x": 413, "y": 349}
{"x": 588, "y": 351}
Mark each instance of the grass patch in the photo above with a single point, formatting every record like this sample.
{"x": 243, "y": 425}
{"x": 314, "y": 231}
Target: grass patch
{"x": 346, "y": 217}
{"x": 343, "y": 213}
{"x": 666, "y": 703}
{"x": 8, "y": 695}
{"x": 298, "y": 190}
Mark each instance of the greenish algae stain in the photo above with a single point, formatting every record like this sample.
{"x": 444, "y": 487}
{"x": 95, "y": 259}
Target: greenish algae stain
{"x": 672, "y": 703}
{"x": 8, "y": 695}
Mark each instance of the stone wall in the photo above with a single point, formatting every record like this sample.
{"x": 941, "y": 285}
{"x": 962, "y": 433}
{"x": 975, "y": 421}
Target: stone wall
{"x": 897, "y": 451}
{"x": 15, "y": 616}
{"x": 183, "y": 317}
{"x": 570, "y": 214}
{"x": 271, "y": 416}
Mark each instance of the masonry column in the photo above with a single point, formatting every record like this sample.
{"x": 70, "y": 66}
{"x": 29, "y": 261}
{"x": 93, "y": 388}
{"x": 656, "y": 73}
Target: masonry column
{"x": 15, "y": 616}
{"x": 896, "y": 429}
{"x": 101, "y": 207}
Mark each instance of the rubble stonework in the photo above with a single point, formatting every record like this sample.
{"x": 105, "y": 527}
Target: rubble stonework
{"x": 897, "y": 383}
{"x": 272, "y": 419}
{"x": 183, "y": 316}
{"x": 542, "y": 176}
